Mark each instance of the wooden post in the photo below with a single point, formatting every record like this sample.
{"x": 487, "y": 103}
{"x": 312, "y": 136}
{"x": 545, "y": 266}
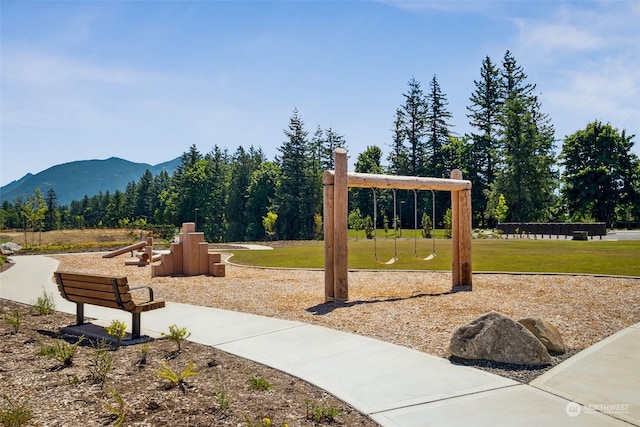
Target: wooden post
{"x": 465, "y": 242}
{"x": 461, "y": 271}
{"x": 455, "y": 231}
{"x": 327, "y": 181}
{"x": 341, "y": 201}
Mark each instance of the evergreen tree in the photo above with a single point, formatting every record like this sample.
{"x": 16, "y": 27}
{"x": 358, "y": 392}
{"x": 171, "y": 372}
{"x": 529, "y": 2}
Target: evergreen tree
{"x": 484, "y": 116}
{"x": 211, "y": 202}
{"x": 295, "y": 195}
{"x": 51, "y": 220}
{"x": 160, "y": 185}
{"x": 438, "y": 129}
{"x": 178, "y": 202}
{"x": 399, "y": 156}
{"x": 143, "y": 197}
{"x": 526, "y": 176}
{"x": 600, "y": 173}
{"x": 412, "y": 118}
{"x": 243, "y": 164}
{"x": 331, "y": 141}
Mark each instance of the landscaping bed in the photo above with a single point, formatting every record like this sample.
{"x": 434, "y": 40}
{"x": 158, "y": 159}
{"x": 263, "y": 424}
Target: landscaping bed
{"x": 225, "y": 391}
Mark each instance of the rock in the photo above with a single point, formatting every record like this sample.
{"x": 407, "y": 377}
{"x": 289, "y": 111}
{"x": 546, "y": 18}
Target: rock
{"x": 494, "y": 336}
{"x": 10, "y": 248}
{"x": 547, "y": 333}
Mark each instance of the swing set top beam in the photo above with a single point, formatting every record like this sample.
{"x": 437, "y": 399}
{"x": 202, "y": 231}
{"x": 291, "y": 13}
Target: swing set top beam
{"x": 369, "y": 180}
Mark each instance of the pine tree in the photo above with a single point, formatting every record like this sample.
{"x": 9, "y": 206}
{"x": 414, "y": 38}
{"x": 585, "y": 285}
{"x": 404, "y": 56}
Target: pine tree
{"x": 295, "y": 194}
{"x": 412, "y": 118}
{"x": 438, "y": 129}
{"x": 526, "y": 176}
{"x": 484, "y": 116}
{"x": 243, "y": 164}
{"x": 399, "y": 156}
{"x": 52, "y": 219}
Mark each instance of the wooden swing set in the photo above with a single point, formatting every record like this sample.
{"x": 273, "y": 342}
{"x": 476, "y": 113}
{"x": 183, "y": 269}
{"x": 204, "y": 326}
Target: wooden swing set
{"x": 336, "y": 184}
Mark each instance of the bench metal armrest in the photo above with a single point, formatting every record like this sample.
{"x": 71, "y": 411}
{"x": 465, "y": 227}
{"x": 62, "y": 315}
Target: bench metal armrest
{"x": 144, "y": 287}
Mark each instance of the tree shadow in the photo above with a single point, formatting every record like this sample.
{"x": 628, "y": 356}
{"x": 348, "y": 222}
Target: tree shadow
{"x": 329, "y": 306}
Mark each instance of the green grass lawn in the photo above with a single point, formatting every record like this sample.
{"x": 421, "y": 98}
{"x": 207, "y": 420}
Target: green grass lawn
{"x": 513, "y": 255}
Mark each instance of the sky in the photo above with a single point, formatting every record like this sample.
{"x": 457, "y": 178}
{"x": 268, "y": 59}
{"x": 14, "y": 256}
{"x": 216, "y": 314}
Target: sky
{"x": 145, "y": 80}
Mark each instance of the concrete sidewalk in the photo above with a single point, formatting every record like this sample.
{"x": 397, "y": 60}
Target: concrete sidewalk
{"x": 394, "y": 385}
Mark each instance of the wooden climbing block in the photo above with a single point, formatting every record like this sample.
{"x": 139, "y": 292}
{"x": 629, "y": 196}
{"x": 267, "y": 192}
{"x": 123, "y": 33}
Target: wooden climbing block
{"x": 157, "y": 270}
{"x": 217, "y": 270}
{"x": 203, "y": 252}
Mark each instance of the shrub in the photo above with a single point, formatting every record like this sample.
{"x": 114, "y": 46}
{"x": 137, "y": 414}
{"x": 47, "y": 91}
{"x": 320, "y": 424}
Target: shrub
{"x": 258, "y": 383}
{"x": 100, "y": 362}
{"x": 174, "y": 378}
{"x": 16, "y": 414}
{"x": 117, "y": 329}
{"x": 118, "y": 410}
{"x": 319, "y": 413}
{"x": 44, "y": 304}
{"x": 177, "y": 335}
{"x": 60, "y": 351}
{"x": 14, "y": 319}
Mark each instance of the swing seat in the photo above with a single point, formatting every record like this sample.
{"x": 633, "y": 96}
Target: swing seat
{"x": 430, "y": 257}
{"x": 391, "y": 261}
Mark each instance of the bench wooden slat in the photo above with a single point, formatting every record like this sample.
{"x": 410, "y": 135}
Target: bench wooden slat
{"x": 93, "y": 278}
{"x": 104, "y": 287}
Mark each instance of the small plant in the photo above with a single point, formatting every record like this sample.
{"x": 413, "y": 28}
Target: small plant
{"x": 73, "y": 380}
{"x": 61, "y": 351}
{"x": 118, "y": 409}
{"x": 177, "y": 379}
{"x": 258, "y": 383}
{"x": 144, "y": 354}
{"x": 223, "y": 402}
{"x": 117, "y": 330}
{"x": 16, "y": 414}
{"x": 177, "y": 335}
{"x": 44, "y": 305}
{"x": 265, "y": 422}
{"x": 15, "y": 320}
{"x": 319, "y": 413}
{"x": 100, "y": 362}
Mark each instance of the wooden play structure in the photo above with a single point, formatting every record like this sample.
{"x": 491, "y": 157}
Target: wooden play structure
{"x": 189, "y": 256}
{"x": 336, "y": 184}
{"x": 141, "y": 253}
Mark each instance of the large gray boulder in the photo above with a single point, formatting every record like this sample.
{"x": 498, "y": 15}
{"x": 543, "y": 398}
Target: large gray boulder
{"x": 546, "y": 332}
{"x": 494, "y": 336}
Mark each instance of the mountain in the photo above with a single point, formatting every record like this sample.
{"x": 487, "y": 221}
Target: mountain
{"x": 74, "y": 180}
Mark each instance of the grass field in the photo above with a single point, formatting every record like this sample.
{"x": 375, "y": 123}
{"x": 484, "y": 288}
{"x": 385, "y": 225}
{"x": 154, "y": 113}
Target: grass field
{"x": 507, "y": 255}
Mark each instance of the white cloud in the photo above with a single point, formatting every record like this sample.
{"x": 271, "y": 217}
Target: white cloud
{"x": 557, "y": 36}
{"x": 41, "y": 69}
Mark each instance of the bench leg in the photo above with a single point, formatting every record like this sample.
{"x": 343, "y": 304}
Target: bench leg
{"x": 135, "y": 328}
{"x": 79, "y": 313}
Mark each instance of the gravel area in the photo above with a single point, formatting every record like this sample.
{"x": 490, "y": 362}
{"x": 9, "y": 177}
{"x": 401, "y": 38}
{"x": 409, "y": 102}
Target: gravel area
{"x": 412, "y": 309}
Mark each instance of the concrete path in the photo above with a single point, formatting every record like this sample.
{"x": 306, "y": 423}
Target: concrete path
{"x": 393, "y": 385}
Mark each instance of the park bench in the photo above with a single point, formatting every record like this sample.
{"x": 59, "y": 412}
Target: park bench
{"x": 105, "y": 291}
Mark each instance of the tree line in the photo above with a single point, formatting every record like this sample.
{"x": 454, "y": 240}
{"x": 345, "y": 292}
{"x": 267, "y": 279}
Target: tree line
{"x": 509, "y": 157}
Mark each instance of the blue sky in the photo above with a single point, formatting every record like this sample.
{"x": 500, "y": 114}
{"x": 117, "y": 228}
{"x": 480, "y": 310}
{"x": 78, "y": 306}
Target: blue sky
{"x": 143, "y": 80}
